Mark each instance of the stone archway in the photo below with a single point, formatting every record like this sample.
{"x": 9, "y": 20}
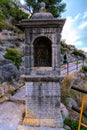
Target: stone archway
{"x": 42, "y": 52}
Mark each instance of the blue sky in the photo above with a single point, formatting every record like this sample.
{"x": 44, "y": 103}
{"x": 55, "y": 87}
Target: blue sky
{"x": 75, "y": 28}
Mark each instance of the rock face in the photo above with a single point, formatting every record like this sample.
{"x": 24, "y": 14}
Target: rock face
{"x": 8, "y": 72}
{"x": 71, "y": 102}
{"x": 13, "y": 39}
{"x": 80, "y": 79}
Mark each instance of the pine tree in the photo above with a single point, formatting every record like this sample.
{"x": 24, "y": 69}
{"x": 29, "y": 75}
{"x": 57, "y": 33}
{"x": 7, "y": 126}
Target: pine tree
{"x": 56, "y": 7}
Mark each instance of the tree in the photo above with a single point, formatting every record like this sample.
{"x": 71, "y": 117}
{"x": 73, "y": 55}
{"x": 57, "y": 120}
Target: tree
{"x": 17, "y": 15}
{"x": 56, "y": 7}
{"x": 9, "y": 10}
{"x": 5, "y": 6}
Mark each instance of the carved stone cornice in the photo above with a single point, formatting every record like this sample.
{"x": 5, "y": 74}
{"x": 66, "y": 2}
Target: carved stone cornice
{"x": 42, "y": 23}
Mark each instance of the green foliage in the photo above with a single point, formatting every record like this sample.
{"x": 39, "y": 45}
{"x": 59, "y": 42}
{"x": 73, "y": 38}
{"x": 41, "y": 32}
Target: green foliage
{"x": 14, "y": 55}
{"x": 79, "y": 53}
{"x": 2, "y": 25}
{"x": 17, "y": 15}
{"x": 5, "y": 6}
{"x": 73, "y": 124}
{"x": 56, "y": 7}
{"x": 65, "y": 45}
{"x": 2, "y": 18}
{"x": 84, "y": 68}
{"x": 64, "y": 50}
{"x": 8, "y": 9}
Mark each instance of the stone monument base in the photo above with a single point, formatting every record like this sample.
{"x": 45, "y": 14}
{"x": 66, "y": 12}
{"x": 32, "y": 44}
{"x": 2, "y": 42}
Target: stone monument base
{"x": 43, "y": 101}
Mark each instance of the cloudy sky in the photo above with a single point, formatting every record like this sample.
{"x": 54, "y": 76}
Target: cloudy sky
{"x": 75, "y": 28}
{"x": 22, "y": 1}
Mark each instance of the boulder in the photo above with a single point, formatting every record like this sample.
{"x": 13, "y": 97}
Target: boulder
{"x": 67, "y": 127}
{"x": 65, "y": 113}
{"x": 71, "y": 102}
{"x": 8, "y": 71}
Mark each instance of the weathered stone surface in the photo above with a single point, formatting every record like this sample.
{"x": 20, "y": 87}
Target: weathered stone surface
{"x": 39, "y": 78}
{"x": 43, "y": 100}
{"x": 8, "y": 72}
{"x": 67, "y": 127}
{"x": 71, "y": 102}
{"x": 65, "y": 113}
{"x": 27, "y": 127}
{"x": 41, "y": 33}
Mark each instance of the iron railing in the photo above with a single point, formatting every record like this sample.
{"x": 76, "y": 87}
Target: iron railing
{"x": 71, "y": 66}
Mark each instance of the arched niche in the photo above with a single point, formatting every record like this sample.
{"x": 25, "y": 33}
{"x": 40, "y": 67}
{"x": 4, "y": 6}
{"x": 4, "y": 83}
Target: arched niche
{"x": 42, "y": 52}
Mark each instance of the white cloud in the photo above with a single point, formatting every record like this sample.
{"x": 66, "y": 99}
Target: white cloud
{"x": 22, "y": 2}
{"x": 83, "y": 25}
{"x": 85, "y": 15}
{"x": 77, "y": 17}
{"x": 70, "y": 33}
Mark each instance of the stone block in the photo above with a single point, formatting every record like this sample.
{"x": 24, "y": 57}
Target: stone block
{"x": 43, "y": 104}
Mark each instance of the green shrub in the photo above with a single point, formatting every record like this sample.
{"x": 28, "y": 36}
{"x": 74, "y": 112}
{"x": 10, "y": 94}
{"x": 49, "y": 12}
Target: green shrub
{"x": 64, "y": 50}
{"x": 2, "y": 25}
{"x": 84, "y": 68}
{"x": 14, "y": 55}
{"x": 2, "y": 22}
{"x": 73, "y": 124}
{"x": 79, "y": 53}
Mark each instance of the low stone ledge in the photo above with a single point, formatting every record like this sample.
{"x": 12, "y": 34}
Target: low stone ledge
{"x": 42, "y": 122}
{"x": 33, "y": 78}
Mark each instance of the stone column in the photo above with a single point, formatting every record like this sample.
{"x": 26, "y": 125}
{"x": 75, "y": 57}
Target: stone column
{"x": 27, "y": 52}
{"x": 32, "y": 55}
{"x": 59, "y": 51}
{"x": 53, "y": 56}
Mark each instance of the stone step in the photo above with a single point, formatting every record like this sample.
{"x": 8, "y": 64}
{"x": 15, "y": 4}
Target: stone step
{"x": 22, "y": 127}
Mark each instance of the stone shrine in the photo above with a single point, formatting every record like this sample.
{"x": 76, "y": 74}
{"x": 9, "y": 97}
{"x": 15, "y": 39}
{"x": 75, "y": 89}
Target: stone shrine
{"x": 42, "y": 69}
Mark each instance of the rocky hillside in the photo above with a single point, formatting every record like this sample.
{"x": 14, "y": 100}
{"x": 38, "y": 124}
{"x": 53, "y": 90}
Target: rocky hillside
{"x": 71, "y": 52}
{"x": 10, "y": 36}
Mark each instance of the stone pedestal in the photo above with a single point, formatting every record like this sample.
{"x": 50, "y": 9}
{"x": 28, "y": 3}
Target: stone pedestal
{"x": 43, "y": 101}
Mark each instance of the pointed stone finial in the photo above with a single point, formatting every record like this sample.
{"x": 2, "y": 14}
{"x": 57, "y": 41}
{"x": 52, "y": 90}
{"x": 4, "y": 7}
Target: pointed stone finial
{"x": 42, "y": 7}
